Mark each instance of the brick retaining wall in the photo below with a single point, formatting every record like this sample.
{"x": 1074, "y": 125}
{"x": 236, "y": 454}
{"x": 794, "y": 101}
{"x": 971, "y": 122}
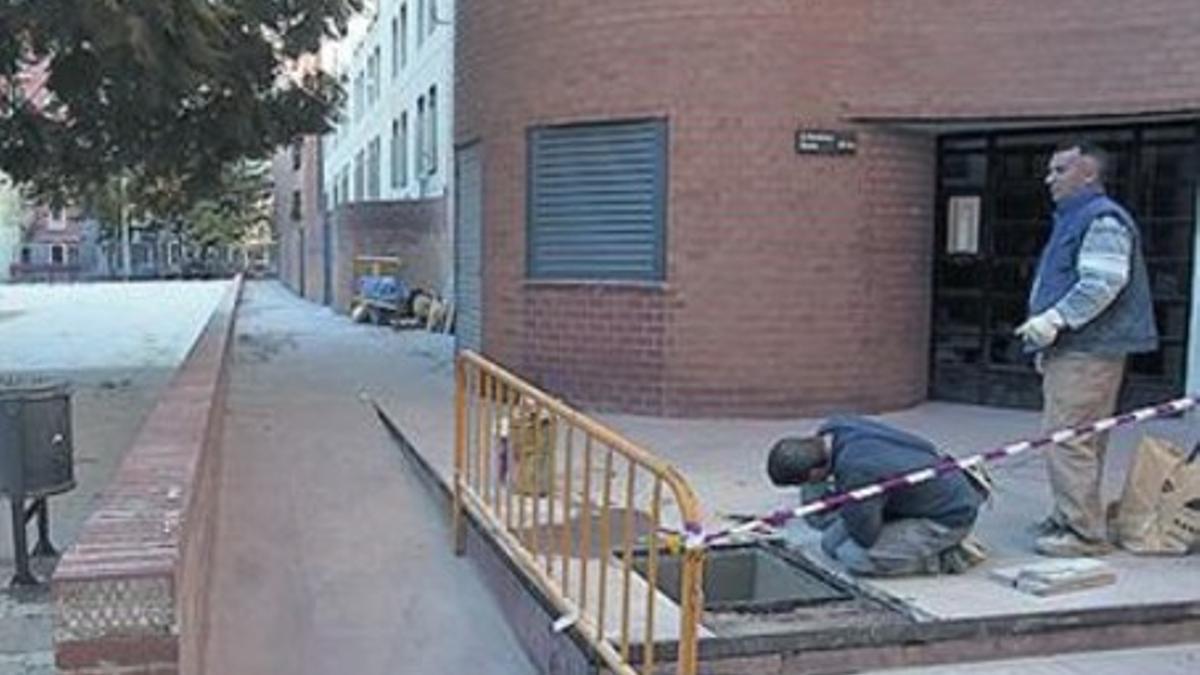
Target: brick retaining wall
{"x": 130, "y": 594}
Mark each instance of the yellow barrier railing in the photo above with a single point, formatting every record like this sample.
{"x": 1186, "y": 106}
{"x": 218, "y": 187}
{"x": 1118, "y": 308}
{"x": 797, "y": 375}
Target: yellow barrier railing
{"x": 539, "y": 476}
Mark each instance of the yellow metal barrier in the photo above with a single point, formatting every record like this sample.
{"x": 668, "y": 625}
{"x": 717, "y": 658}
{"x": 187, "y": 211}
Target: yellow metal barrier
{"x": 540, "y": 476}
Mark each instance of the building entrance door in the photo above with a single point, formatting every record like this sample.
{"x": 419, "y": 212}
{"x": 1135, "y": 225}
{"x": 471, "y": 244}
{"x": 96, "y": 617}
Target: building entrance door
{"x": 992, "y": 221}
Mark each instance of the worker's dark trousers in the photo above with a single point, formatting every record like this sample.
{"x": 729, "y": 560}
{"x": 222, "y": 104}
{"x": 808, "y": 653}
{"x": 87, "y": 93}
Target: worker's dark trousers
{"x": 905, "y": 547}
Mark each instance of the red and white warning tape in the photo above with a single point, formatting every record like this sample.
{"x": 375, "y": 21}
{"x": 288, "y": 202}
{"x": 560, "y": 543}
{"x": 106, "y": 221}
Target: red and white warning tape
{"x": 695, "y": 536}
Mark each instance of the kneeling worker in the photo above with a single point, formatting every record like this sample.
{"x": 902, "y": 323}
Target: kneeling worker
{"x": 918, "y": 529}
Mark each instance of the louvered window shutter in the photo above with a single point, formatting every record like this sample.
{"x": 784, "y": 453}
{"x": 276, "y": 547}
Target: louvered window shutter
{"x": 597, "y": 195}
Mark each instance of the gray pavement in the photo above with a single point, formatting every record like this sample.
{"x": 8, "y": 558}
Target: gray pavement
{"x": 331, "y": 556}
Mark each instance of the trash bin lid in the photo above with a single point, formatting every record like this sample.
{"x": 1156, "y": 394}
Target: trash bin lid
{"x": 15, "y": 387}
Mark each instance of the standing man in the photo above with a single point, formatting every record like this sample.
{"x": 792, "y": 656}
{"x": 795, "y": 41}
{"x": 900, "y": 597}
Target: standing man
{"x": 918, "y": 529}
{"x": 1089, "y": 307}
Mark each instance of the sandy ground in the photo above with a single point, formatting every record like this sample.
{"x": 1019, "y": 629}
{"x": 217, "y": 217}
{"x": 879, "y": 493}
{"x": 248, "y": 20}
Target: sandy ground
{"x": 117, "y": 345}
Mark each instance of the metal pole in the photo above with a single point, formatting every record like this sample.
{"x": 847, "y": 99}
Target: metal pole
{"x": 43, "y": 547}
{"x": 126, "y": 265}
{"x": 460, "y": 453}
{"x": 23, "y": 577}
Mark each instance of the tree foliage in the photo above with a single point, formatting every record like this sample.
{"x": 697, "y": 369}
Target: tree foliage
{"x": 239, "y": 206}
{"x": 242, "y": 209}
{"x": 169, "y": 91}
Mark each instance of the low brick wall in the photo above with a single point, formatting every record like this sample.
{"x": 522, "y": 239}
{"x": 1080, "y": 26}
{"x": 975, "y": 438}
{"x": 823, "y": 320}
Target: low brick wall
{"x": 130, "y": 594}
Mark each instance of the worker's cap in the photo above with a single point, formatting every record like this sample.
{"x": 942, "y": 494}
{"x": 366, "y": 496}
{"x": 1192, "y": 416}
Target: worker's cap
{"x": 793, "y": 459}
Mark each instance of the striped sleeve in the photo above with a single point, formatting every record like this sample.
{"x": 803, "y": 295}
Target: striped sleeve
{"x": 1103, "y": 266}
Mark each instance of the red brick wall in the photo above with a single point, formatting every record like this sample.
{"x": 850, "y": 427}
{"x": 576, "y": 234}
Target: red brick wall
{"x": 413, "y": 230}
{"x": 1029, "y": 57}
{"x": 795, "y": 284}
{"x": 287, "y": 178}
{"x": 767, "y": 305}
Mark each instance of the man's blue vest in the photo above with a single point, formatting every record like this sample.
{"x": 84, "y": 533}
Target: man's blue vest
{"x": 1127, "y": 325}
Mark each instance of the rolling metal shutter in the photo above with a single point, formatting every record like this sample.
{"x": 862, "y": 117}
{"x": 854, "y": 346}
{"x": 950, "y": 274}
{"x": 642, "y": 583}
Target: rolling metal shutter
{"x": 468, "y": 248}
{"x": 597, "y": 201}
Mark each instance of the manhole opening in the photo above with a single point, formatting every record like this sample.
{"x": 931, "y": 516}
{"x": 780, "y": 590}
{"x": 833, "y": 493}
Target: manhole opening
{"x": 748, "y": 578}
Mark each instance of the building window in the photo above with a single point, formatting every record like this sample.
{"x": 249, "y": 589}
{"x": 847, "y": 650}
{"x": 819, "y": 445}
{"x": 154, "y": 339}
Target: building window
{"x": 420, "y": 22}
{"x": 403, "y": 35}
{"x": 376, "y": 66}
{"x": 433, "y": 130}
{"x": 297, "y": 154}
{"x": 370, "y": 81}
{"x": 419, "y": 146}
{"x": 359, "y": 177}
{"x": 373, "y": 158}
{"x": 395, "y": 46}
{"x": 57, "y": 220}
{"x": 344, "y": 81}
{"x": 58, "y": 254}
{"x": 574, "y": 235}
{"x": 297, "y": 205}
{"x": 26, "y": 255}
{"x": 395, "y": 154}
{"x": 404, "y": 148}
{"x": 359, "y": 91}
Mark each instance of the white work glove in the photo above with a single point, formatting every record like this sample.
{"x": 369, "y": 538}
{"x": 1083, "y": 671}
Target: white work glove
{"x": 1040, "y": 331}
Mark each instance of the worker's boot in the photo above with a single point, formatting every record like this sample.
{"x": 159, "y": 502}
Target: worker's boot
{"x": 1067, "y": 544}
{"x": 962, "y": 556}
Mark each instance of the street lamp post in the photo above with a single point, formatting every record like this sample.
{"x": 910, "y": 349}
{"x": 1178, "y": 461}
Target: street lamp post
{"x": 126, "y": 265}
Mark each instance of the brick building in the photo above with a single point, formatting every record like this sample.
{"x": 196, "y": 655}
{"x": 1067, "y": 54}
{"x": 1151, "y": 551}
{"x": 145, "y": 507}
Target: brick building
{"x": 296, "y": 215}
{"x": 703, "y": 207}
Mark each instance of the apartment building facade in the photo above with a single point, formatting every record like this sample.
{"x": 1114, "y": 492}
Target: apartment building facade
{"x": 378, "y": 184}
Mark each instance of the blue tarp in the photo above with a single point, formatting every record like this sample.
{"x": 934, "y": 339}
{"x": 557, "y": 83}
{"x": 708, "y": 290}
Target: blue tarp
{"x": 383, "y": 288}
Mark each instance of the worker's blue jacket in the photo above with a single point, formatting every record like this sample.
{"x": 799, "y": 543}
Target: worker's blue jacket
{"x": 865, "y": 451}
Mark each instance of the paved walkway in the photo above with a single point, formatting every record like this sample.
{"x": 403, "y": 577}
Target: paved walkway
{"x": 331, "y": 556}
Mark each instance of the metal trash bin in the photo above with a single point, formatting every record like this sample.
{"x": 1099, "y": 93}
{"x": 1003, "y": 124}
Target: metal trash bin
{"x": 36, "y": 458}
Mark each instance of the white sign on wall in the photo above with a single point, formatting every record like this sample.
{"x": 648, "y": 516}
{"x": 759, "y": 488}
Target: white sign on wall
{"x": 962, "y": 224}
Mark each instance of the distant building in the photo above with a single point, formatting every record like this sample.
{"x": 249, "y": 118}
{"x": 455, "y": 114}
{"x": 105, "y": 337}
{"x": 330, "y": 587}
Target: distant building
{"x": 58, "y": 245}
{"x": 379, "y": 184}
